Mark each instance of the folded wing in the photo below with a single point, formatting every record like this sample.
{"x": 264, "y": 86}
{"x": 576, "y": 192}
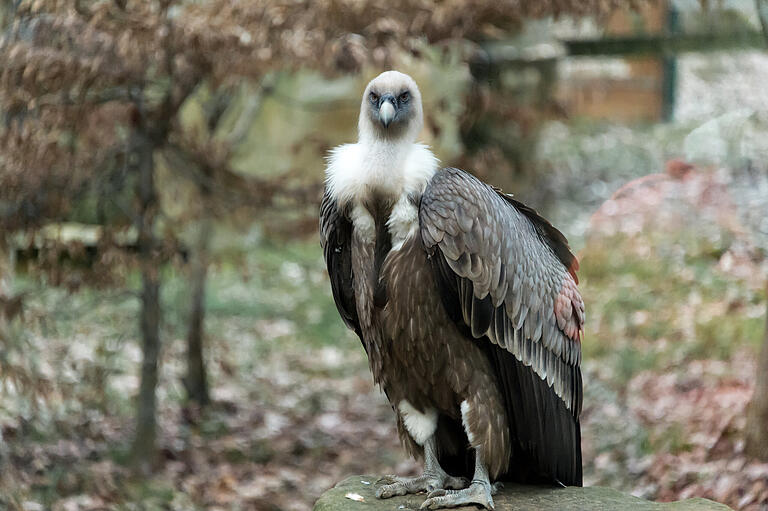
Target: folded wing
{"x": 335, "y": 236}
{"x": 508, "y": 278}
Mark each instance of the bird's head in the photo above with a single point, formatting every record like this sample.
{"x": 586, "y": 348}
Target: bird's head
{"x": 391, "y": 108}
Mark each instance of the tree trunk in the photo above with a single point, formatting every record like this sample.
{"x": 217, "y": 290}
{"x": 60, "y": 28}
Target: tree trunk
{"x": 6, "y": 284}
{"x": 143, "y": 451}
{"x": 196, "y": 381}
{"x": 7, "y": 263}
{"x": 757, "y": 415}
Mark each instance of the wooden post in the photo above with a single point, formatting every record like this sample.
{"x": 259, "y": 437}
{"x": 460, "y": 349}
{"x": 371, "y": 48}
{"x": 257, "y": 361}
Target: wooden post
{"x": 669, "y": 68}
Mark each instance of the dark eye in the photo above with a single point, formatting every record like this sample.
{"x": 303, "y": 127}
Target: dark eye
{"x": 373, "y": 97}
{"x": 405, "y": 96}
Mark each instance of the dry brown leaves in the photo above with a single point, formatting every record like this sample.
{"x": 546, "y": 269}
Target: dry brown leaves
{"x": 64, "y": 59}
{"x": 699, "y": 414}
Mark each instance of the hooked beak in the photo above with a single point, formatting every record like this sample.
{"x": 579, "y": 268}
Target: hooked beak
{"x": 386, "y": 109}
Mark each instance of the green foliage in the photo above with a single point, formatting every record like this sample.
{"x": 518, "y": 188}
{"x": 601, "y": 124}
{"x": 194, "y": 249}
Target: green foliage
{"x": 659, "y": 301}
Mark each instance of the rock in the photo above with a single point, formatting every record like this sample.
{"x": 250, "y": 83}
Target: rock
{"x": 358, "y": 492}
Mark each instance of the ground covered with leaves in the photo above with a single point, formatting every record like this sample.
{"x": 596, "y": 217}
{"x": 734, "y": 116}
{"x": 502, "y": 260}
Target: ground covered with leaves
{"x": 669, "y": 357}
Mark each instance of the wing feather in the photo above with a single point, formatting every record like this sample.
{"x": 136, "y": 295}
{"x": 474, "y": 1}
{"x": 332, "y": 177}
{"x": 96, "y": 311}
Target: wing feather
{"x": 509, "y": 276}
{"x": 335, "y": 236}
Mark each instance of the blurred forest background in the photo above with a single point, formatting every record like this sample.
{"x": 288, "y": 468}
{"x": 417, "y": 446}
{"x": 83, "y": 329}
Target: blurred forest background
{"x": 167, "y": 335}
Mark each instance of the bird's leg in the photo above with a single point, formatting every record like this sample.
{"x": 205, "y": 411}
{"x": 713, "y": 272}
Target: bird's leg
{"x": 479, "y": 492}
{"x": 433, "y": 478}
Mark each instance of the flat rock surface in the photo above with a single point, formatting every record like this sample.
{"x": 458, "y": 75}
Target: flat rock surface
{"x": 358, "y": 492}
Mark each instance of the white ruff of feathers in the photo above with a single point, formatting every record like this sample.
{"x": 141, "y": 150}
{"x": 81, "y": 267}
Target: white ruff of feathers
{"x": 354, "y": 171}
{"x": 391, "y": 168}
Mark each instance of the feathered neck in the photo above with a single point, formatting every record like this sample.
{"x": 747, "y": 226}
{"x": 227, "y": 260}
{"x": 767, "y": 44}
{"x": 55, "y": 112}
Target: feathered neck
{"x": 355, "y": 172}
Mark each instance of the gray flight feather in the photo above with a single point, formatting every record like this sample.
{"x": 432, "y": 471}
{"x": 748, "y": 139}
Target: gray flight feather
{"x": 500, "y": 248}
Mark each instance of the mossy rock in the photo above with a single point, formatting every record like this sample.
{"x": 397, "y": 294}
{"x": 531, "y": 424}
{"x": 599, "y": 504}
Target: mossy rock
{"x": 358, "y": 493}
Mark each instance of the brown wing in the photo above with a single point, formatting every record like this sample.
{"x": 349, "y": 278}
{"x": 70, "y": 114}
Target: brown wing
{"x": 507, "y": 276}
{"x": 335, "y": 237}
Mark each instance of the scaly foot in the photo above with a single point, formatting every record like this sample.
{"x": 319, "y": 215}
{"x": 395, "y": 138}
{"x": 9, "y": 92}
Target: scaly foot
{"x": 428, "y": 482}
{"x": 478, "y": 493}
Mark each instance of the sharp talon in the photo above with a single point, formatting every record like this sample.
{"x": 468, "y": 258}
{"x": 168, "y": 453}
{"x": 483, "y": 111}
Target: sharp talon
{"x": 427, "y": 504}
{"x": 431, "y": 482}
{"x": 392, "y": 490}
{"x": 388, "y": 479}
{"x": 478, "y": 493}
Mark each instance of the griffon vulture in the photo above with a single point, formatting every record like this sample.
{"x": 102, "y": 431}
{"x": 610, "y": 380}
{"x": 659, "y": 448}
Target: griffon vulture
{"x": 466, "y": 303}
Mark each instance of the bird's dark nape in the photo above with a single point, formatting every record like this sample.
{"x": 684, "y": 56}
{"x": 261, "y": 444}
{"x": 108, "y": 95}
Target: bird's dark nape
{"x": 546, "y": 437}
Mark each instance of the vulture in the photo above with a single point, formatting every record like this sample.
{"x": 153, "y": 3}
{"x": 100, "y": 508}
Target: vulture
{"x": 466, "y": 304}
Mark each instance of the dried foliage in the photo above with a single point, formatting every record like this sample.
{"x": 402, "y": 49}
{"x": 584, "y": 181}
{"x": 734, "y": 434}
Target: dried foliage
{"x": 343, "y": 34}
{"x": 80, "y": 76}
{"x": 696, "y": 421}
{"x": 62, "y": 59}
